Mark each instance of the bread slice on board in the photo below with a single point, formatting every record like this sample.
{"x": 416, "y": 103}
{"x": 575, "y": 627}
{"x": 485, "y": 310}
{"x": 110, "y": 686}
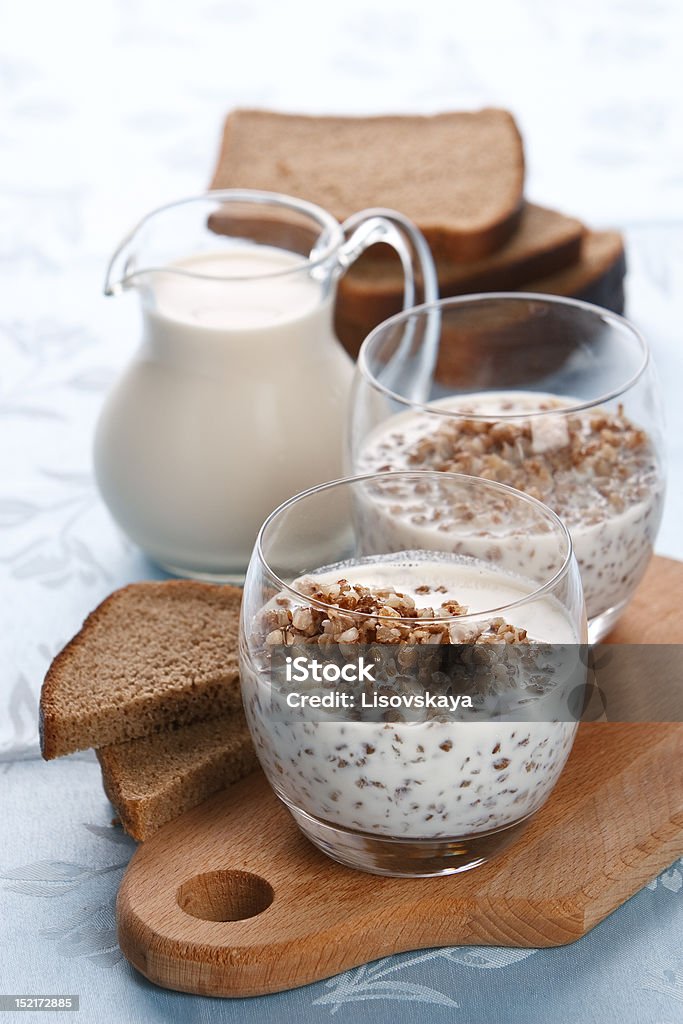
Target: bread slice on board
{"x": 153, "y": 780}
{"x": 545, "y": 242}
{"x": 598, "y": 276}
{"x": 152, "y": 656}
{"x": 458, "y": 176}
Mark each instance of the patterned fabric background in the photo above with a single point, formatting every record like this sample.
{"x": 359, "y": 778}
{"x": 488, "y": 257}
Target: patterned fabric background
{"x": 109, "y": 109}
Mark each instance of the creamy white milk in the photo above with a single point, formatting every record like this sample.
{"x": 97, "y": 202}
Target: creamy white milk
{"x": 425, "y": 778}
{"x": 229, "y": 291}
{"x": 235, "y": 402}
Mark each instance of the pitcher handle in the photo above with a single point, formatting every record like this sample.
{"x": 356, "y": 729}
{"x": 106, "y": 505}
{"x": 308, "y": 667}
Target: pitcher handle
{"x": 369, "y": 227}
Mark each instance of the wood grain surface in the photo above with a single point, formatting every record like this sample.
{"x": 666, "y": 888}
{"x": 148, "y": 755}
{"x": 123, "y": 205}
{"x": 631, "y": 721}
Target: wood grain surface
{"x": 613, "y": 822}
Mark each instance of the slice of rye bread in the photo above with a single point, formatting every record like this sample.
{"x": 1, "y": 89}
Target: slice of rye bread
{"x": 153, "y": 780}
{"x": 458, "y": 176}
{"x": 597, "y": 277}
{"x": 545, "y": 242}
{"x": 152, "y": 656}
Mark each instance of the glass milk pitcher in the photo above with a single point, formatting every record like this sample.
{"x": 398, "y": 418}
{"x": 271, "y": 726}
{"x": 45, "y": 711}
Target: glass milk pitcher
{"x": 237, "y": 397}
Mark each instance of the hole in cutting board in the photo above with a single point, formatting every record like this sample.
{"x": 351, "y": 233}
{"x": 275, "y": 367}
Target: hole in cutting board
{"x": 225, "y": 895}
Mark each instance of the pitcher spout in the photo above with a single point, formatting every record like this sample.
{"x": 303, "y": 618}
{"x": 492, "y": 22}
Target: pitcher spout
{"x": 122, "y": 271}
{"x": 138, "y": 253}
{"x": 218, "y": 221}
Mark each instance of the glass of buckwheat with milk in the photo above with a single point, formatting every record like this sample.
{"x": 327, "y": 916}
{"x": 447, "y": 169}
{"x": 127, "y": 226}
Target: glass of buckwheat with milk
{"x": 554, "y": 397}
{"x": 412, "y": 694}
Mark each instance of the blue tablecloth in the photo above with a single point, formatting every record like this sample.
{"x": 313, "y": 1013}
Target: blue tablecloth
{"x": 114, "y": 107}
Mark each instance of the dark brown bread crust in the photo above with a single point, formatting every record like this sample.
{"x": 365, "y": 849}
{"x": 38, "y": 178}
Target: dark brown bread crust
{"x": 607, "y": 289}
{"x": 67, "y": 725}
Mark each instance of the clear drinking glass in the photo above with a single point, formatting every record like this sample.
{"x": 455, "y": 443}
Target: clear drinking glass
{"x": 555, "y": 397}
{"x": 376, "y": 779}
{"x": 208, "y": 428}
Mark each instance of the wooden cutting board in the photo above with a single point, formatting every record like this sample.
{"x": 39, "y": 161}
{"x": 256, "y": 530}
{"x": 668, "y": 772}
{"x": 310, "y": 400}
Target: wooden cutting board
{"x": 231, "y": 900}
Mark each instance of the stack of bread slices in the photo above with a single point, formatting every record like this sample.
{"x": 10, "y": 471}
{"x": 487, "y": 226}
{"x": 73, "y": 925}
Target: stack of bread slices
{"x": 151, "y": 682}
{"x": 459, "y": 176}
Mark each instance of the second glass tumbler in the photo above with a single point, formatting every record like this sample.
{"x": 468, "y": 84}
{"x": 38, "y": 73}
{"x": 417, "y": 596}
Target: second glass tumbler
{"x": 552, "y": 396}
